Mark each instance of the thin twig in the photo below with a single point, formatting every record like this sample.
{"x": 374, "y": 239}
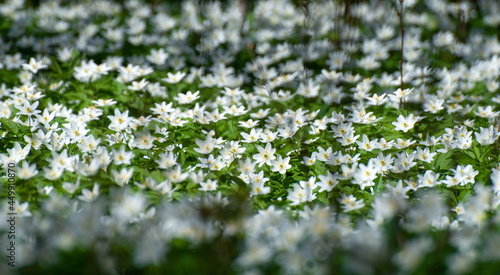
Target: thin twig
{"x": 400, "y": 15}
{"x": 244, "y": 14}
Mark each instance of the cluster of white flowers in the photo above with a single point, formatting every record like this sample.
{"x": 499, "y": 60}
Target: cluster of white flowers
{"x": 151, "y": 128}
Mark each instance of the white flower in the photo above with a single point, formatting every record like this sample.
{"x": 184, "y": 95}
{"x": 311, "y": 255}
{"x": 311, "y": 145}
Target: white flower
{"x": 209, "y": 185}
{"x": 71, "y": 187}
{"x": 28, "y": 109}
{"x": 121, "y": 156}
{"x": 34, "y": 65}
{"x": 174, "y": 78}
{"x": 234, "y": 110}
{"x": 281, "y": 165}
{"x": 175, "y": 174}
{"x": 425, "y": 155}
{"x": 349, "y": 203}
{"x": 253, "y": 136}
{"x": 398, "y": 191}
{"x": 119, "y": 121}
{"x": 138, "y": 86}
{"x": 322, "y": 154}
{"x": 348, "y": 138}
{"x": 26, "y": 171}
{"x": 433, "y": 105}
{"x": 166, "y": 161}
{"x": 187, "y": 97}
{"x": 428, "y": 179}
{"x": 365, "y": 175}
{"x": 300, "y": 194}
{"x": 53, "y": 173}
{"x": 486, "y": 136}
{"x": 89, "y": 143}
{"x": 327, "y": 182}
{"x": 486, "y": 112}
{"x": 309, "y": 161}
{"x": 452, "y": 181}
{"x": 88, "y": 195}
{"x": 366, "y": 144}
{"x": 22, "y": 209}
{"x": 495, "y": 181}
{"x": 248, "y": 123}
{"x": 405, "y": 124}
{"x": 157, "y": 56}
{"x": 205, "y": 147}
{"x": 265, "y": 155}
{"x": 258, "y": 188}
{"x": 143, "y": 140}
{"x": 122, "y": 177}
{"x": 129, "y": 206}
{"x": 465, "y": 173}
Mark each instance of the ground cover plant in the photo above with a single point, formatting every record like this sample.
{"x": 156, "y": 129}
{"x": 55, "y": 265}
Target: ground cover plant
{"x": 249, "y": 137}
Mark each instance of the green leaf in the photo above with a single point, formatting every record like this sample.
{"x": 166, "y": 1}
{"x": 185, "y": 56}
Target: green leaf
{"x": 191, "y": 185}
{"x": 141, "y": 171}
{"x": 9, "y": 125}
{"x": 478, "y": 153}
{"x": 444, "y": 161}
{"x": 449, "y": 194}
{"x": 238, "y": 181}
{"x": 234, "y": 187}
{"x": 323, "y": 200}
{"x": 464, "y": 195}
{"x": 182, "y": 157}
{"x": 157, "y": 175}
{"x": 379, "y": 186}
{"x": 54, "y": 66}
{"x": 469, "y": 153}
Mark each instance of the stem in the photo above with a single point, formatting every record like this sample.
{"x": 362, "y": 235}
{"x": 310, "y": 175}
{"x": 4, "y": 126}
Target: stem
{"x": 459, "y": 26}
{"x": 305, "y": 41}
{"x": 296, "y": 146}
{"x": 347, "y": 12}
{"x": 262, "y": 82}
{"x": 498, "y": 142}
{"x": 104, "y": 115}
{"x": 232, "y": 123}
{"x": 400, "y": 15}
{"x": 244, "y": 12}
